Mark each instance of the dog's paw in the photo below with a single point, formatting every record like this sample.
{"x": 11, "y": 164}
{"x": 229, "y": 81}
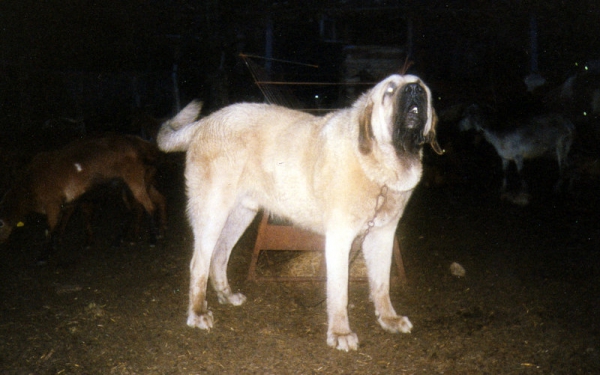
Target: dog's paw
{"x": 204, "y": 321}
{"x": 343, "y": 342}
{"x": 234, "y": 299}
{"x": 396, "y": 324}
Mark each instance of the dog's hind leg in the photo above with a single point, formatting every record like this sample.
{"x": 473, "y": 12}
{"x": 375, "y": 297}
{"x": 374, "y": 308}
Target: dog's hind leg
{"x": 239, "y": 219}
{"x": 207, "y": 218}
{"x": 377, "y": 250}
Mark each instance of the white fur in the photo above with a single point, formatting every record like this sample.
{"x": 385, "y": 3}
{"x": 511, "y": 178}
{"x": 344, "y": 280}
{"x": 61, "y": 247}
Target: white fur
{"x": 305, "y": 168}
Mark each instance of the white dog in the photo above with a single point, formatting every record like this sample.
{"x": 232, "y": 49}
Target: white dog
{"x": 346, "y": 174}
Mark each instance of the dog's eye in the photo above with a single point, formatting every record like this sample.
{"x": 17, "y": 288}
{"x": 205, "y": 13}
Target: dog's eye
{"x": 390, "y": 89}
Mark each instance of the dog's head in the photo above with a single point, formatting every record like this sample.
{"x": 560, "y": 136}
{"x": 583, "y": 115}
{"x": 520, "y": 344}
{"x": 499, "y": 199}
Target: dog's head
{"x": 398, "y": 110}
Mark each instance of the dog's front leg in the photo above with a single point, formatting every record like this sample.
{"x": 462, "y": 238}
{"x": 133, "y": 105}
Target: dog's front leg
{"x": 377, "y": 250}
{"x": 337, "y": 250}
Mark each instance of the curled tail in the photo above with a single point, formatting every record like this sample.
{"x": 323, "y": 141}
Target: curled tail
{"x": 176, "y": 134}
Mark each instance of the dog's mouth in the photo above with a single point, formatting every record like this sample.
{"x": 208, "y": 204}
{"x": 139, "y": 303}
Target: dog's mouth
{"x": 411, "y": 104}
{"x": 412, "y": 117}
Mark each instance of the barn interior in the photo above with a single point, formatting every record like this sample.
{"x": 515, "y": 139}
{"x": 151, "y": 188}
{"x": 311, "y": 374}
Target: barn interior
{"x": 525, "y": 297}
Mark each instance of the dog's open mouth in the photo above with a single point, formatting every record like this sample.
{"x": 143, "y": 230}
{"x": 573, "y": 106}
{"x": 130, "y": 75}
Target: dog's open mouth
{"x": 412, "y": 118}
{"x": 411, "y": 105}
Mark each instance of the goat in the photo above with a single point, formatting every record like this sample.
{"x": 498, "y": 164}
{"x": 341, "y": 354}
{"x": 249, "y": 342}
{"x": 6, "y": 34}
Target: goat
{"x": 55, "y": 179}
{"x": 528, "y": 138}
{"x": 89, "y": 203}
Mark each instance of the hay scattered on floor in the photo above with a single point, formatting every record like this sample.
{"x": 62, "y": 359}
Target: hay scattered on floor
{"x": 305, "y": 264}
{"x": 312, "y": 264}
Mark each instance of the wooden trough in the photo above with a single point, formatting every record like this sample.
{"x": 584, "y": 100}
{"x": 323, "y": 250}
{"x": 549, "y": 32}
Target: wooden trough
{"x": 277, "y": 236}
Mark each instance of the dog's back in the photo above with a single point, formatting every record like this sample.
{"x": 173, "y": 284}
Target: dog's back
{"x": 270, "y": 154}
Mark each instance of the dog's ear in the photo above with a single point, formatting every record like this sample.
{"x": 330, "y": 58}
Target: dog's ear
{"x": 365, "y": 130}
{"x": 431, "y": 137}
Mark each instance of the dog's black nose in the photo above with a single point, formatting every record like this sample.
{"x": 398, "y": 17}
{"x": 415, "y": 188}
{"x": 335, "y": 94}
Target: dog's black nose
{"x": 413, "y": 89}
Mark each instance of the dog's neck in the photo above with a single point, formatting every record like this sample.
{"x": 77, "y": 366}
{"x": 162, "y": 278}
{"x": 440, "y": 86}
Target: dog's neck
{"x": 385, "y": 168}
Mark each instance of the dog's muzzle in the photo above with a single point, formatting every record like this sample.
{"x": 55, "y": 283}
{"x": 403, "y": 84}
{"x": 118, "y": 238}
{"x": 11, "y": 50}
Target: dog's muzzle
{"x": 413, "y": 101}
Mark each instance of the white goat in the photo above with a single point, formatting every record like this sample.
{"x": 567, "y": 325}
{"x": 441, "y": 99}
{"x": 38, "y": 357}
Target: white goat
{"x": 545, "y": 135}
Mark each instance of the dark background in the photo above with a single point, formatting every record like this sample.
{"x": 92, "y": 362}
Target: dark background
{"x": 529, "y": 301}
{"x": 99, "y": 61}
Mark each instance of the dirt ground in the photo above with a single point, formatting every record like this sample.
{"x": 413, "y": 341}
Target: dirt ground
{"x": 528, "y": 303}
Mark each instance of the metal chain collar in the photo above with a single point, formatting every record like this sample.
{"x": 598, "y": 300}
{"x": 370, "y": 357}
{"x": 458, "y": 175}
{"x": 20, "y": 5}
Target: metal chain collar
{"x": 380, "y": 201}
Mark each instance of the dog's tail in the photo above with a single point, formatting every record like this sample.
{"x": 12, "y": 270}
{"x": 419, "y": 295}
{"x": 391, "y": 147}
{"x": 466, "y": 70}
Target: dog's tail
{"x": 177, "y": 133}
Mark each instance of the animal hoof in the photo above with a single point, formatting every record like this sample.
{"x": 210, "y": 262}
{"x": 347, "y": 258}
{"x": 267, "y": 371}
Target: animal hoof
{"x": 396, "y": 324}
{"x": 344, "y": 342}
{"x": 203, "y": 321}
